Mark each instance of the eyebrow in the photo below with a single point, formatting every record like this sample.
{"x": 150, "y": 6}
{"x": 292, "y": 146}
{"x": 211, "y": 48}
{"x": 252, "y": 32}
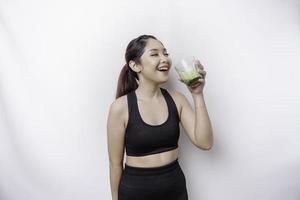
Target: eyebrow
{"x": 157, "y": 49}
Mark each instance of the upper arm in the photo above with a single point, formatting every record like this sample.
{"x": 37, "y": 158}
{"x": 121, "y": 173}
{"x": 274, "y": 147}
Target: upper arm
{"x": 116, "y": 132}
{"x": 187, "y": 116}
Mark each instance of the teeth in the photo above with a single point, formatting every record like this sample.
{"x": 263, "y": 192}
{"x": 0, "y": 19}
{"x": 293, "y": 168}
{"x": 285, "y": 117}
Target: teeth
{"x": 163, "y": 68}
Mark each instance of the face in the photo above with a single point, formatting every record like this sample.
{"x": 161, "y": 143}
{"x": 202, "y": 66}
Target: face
{"x": 154, "y": 58}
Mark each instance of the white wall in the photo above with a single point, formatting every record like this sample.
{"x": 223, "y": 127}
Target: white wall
{"x": 59, "y": 65}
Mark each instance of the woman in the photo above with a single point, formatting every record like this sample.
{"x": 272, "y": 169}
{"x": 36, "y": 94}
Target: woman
{"x": 144, "y": 121}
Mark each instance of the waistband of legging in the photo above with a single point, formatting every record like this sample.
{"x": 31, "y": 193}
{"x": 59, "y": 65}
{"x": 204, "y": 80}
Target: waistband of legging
{"x": 151, "y": 170}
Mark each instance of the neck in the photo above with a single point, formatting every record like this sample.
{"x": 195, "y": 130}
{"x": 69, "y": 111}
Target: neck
{"x": 148, "y": 92}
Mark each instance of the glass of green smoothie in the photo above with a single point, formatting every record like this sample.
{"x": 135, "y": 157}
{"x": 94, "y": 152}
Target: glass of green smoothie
{"x": 186, "y": 69}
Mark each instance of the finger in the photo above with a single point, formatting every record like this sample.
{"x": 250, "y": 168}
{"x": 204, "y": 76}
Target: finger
{"x": 201, "y": 71}
{"x": 199, "y": 65}
{"x": 200, "y": 81}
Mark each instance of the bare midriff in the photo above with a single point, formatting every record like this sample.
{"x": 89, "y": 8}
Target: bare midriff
{"x": 154, "y": 160}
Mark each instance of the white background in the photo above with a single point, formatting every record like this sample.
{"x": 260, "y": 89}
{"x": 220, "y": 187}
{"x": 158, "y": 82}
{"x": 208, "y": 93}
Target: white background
{"x": 59, "y": 65}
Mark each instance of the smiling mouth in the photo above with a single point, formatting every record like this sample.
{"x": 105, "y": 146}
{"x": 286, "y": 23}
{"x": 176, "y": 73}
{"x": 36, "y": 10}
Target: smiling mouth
{"x": 163, "y": 71}
{"x": 164, "y": 68}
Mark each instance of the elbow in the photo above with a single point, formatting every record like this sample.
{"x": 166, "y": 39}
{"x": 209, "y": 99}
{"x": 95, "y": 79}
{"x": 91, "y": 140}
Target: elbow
{"x": 205, "y": 147}
{"x": 205, "y": 143}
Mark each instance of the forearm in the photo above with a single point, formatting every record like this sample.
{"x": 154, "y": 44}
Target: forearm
{"x": 115, "y": 176}
{"x": 202, "y": 129}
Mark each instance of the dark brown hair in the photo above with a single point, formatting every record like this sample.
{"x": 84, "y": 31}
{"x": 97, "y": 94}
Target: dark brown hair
{"x": 127, "y": 81}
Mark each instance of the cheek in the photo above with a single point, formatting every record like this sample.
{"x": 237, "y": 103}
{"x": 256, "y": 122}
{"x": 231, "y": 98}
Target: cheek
{"x": 151, "y": 61}
{"x": 152, "y": 64}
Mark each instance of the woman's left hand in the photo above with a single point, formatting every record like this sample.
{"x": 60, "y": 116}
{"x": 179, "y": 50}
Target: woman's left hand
{"x": 198, "y": 87}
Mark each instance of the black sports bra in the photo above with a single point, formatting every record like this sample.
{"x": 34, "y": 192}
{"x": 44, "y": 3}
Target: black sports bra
{"x": 143, "y": 139}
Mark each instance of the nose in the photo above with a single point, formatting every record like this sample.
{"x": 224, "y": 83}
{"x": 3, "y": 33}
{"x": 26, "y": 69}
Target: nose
{"x": 164, "y": 59}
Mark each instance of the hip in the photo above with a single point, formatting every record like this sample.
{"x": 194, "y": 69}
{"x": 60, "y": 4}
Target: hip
{"x": 163, "y": 182}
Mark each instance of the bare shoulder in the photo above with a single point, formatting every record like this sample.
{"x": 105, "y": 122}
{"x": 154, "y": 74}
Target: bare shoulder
{"x": 177, "y": 96}
{"x": 118, "y": 104}
{"x": 119, "y": 109}
{"x": 179, "y": 99}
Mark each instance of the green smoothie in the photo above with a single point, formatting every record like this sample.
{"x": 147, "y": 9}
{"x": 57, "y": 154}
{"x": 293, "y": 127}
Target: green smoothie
{"x": 190, "y": 77}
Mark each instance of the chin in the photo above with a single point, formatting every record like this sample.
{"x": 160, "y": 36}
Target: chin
{"x": 166, "y": 80}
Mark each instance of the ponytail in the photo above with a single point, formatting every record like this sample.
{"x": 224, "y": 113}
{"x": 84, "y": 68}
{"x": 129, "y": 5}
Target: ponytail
{"x": 127, "y": 81}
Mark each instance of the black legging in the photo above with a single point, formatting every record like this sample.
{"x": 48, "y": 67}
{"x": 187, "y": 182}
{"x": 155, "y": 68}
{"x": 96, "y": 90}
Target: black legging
{"x": 156, "y": 183}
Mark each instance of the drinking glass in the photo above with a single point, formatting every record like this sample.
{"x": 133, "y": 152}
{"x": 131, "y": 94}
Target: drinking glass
{"x": 187, "y": 71}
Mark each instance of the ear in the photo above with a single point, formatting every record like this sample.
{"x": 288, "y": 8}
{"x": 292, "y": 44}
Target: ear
{"x": 135, "y": 67}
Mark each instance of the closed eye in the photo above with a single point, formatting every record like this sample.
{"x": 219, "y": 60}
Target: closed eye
{"x": 157, "y": 54}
